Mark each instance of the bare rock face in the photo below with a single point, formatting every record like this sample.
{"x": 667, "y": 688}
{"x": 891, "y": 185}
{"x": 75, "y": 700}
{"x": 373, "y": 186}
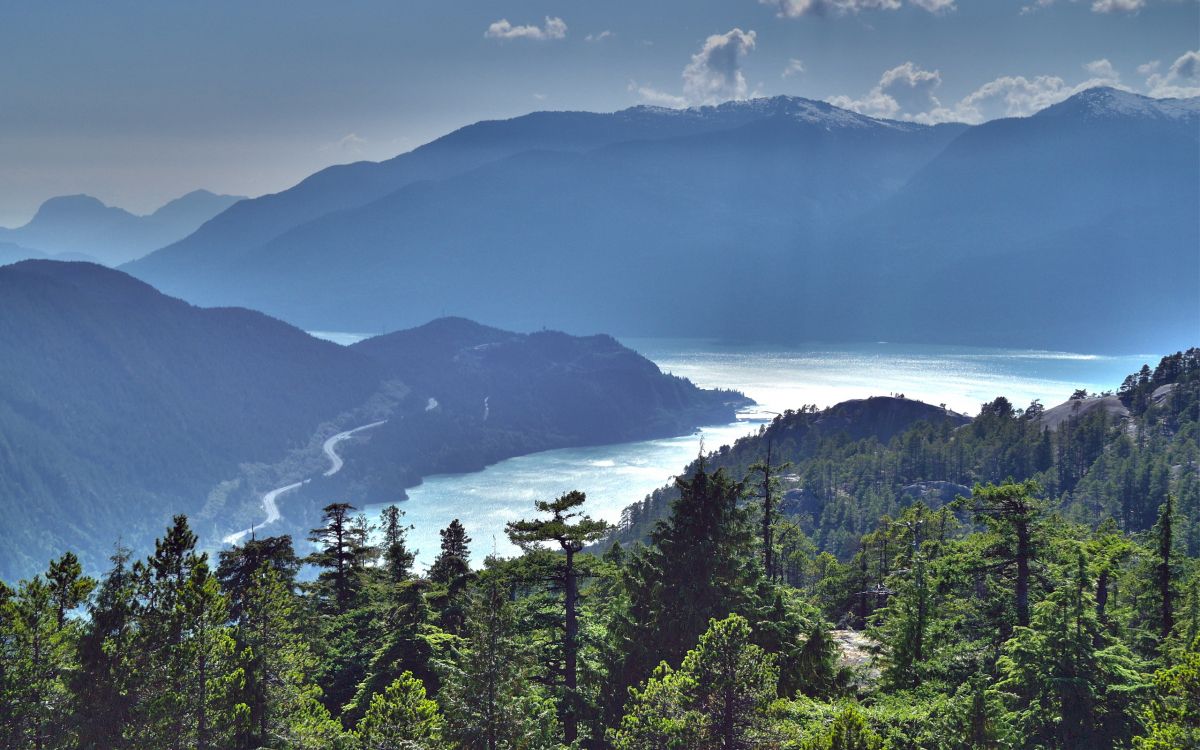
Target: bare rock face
{"x": 1077, "y": 408}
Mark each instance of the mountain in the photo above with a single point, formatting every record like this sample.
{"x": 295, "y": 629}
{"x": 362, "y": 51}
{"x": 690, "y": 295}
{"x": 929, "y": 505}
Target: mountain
{"x": 805, "y": 439}
{"x": 844, "y": 227}
{"x": 1079, "y": 226}
{"x": 717, "y": 195}
{"x": 121, "y": 406}
{"x": 484, "y": 394}
{"x": 79, "y": 225}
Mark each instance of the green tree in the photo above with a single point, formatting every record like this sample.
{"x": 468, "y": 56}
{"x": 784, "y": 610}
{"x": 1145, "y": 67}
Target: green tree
{"x": 571, "y": 531}
{"x": 68, "y": 586}
{"x": 454, "y": 560}
{"x": 487, "y": 697}
{"x": 342, "y": 553}
{"x": 401, "y": 718}
{"x": 716, "y": 699}
{"x": 398, "y": 558}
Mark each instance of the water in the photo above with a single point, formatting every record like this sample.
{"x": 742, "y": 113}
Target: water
{"x": 613, "y": 476}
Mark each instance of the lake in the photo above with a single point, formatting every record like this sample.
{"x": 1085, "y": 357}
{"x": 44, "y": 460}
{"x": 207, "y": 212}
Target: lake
{"x": 778, "y": 378}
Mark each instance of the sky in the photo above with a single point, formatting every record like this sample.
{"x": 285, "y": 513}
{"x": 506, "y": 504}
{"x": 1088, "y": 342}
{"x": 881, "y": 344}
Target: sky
{"x": 140, "y": 102}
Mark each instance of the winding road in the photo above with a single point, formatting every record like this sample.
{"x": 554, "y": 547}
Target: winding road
{"x": 271, "y": 507}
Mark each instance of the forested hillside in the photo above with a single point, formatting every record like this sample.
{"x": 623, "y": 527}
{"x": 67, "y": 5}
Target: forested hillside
{"x": 854, "y": 600}
{"x": 121, "y": 406}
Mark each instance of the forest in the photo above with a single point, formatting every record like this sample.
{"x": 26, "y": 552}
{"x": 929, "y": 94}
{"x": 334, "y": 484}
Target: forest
{"x": 994, "y": 584}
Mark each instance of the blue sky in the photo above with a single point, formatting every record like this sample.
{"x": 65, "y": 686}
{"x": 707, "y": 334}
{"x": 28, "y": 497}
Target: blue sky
{"x": 138, "y": 102}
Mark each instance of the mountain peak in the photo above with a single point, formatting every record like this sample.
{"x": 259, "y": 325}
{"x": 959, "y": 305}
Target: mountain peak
{"x": 810, "y": 111}
{"x": 72, "y": 207}
{"x": 1106, "y": 102}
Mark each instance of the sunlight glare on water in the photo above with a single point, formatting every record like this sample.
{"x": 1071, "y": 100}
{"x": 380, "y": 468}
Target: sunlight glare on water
{"x": 613, "y": 476}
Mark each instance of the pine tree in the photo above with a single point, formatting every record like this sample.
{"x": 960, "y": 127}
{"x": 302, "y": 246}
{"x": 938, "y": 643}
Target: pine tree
{"x": 68, "y": 586}
{"x": 342, "y": 552}
{"x": 571, "y": 531}
{"x": 487, "y": 697}
{"x": 108, "y": 652}
{"x": 401, "y": 718}
{"x": 453, "y": 561}
{"x": 398, "y": 558}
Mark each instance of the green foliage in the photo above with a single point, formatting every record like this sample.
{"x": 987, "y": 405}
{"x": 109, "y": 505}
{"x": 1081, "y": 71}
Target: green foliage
{"x": 400, "y": 718}
{"x": 717, "y": 698}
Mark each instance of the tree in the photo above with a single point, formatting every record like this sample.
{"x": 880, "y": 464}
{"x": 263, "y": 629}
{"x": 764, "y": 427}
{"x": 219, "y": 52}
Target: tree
{"x": 1012, "y": 514}
{"x": 1162, "y": 570}
{"x": 1172, "y": 716}
{"x": 69, "y": 588}
{"x": 700, "y": 566}
{"x": 396, "y": 554}
{"x": 34, "y": 665}
{"x": 454, "y": 560}
{"x": 401, "y": 718}
{"x": 849, "y": 731}
{"x": 283, "y": 705}
{"x": 571, "y": 531}
{"x": 716, "y": 699}
{"x": 341, "y": 554}
{"x": 487, "y": 697}
{"x": 1067, "y": 684}
{"x": 108, "y": 654}
{"x": 768, "y": 486}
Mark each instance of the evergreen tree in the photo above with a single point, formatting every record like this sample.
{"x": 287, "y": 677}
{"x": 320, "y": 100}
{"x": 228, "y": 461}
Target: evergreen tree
{"x": 398, "y": 558}
{"x": 401, "y": 718}
{"x": 716, "y": 699}
{"x": 488, "y": 699}
{"x": 342, "y": 553}
{"x": 453, "y": 561}
{"x": 571, "y": 531}
{"x": 68, "y": 586}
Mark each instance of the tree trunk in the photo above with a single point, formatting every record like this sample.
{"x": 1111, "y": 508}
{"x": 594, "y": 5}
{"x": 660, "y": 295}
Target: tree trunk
{"x": 1023, "y": 554}
{"x": 570, "y": 721}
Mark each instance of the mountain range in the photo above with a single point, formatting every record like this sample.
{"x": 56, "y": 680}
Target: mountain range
{"x": 782, "y": 219}
{"x": 80, "y": 227}
{"x": 122, "y": 406}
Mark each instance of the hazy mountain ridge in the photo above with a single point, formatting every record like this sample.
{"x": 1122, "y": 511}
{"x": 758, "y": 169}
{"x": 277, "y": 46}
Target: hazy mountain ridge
{"x": 73, "y": 226}
{"x": 846, "y": 227}
{"x": 120, "y": 406}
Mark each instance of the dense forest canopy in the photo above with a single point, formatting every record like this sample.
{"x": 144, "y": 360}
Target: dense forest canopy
{"x": 1012, "y": 582}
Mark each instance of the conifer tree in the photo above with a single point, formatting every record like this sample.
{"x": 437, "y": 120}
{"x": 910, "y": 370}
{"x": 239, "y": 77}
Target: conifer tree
{"x": 401, "y": 718}
{"x": 453, "y": 561}
{"x": 571, "y": 531}
{"x": 487, "y": 697}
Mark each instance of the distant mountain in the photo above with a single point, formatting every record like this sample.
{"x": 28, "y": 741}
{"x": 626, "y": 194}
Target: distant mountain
{"x": 77, "y": 226}
{"x": 120, "y": 406}
{"x": 1077, "y": 227}
{"x": 552, "y": 233}
{"x": 772, "y": 218}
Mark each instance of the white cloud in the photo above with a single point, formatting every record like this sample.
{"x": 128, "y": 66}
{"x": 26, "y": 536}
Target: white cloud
{"x": 554, "y": 28}
{"x": 598, "y": 37}
{"x": 351, "y": 143}
{"x": 907, "y": 92}
{"x": 1118, "y": 6}
{"x": 651, "y": 95}
{"x": 902, "y": 93}
{"x": 1147, "y": 68}
{"x": 1102, "y": 69}
{"x": 799, "y": 8}
{"x": 794, "y": 67}
{"x": 1181, "y": 80}
{"x": 715, "y": 73}
{"x": 935, "y": 6}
